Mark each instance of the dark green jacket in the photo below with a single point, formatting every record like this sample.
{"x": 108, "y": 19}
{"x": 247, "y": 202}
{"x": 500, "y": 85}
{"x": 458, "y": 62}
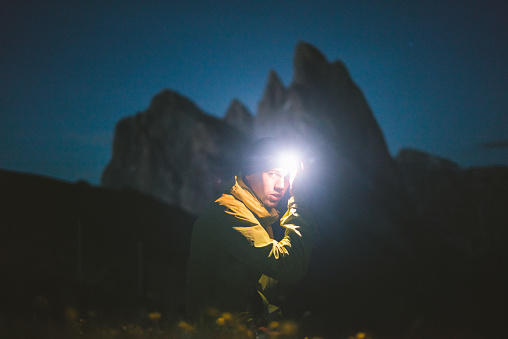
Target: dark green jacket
{"x": 234, "y": 259}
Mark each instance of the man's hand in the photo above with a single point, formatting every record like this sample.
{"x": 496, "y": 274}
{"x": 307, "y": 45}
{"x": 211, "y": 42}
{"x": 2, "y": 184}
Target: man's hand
{"x": 293, "y": 173}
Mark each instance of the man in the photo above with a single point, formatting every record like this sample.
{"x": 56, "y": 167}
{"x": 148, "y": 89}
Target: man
{"x": 234, "y": 261}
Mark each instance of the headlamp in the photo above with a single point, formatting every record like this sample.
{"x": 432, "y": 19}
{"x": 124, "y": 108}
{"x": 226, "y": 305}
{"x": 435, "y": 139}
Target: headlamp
{"x": 269, "y": 153}
{"x": 290, "y": 161}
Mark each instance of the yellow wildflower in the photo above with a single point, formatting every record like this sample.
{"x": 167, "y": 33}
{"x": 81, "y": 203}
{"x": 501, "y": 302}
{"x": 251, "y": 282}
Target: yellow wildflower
{"x": 289, "y": 328}
{"x": 185, "y": 326}
{"x": 155, "y": 316}
{"x": 273, "y": 324}
{"x": 227, "y": 316}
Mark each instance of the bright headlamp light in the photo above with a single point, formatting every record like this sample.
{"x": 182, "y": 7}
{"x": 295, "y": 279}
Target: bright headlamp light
{"x": 289, "y": 161}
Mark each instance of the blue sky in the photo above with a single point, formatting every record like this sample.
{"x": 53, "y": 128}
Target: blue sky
{"x": 434, "y": 73}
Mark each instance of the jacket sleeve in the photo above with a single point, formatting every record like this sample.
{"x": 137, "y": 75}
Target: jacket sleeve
{"x": 243, "y": 237}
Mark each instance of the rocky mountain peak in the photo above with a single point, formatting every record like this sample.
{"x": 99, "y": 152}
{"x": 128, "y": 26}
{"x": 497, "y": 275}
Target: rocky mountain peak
{"x": 172, "y": 102}
{"x": 309, "y": 65}
{"x": 174, "y": 152}
{"x": 323, "y": 106}
{"x": 239, "y": 116}
{"x": 275, "y": 94}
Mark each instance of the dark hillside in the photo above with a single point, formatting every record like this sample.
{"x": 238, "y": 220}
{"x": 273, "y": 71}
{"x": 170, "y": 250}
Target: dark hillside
{"x": 82, "y": 246}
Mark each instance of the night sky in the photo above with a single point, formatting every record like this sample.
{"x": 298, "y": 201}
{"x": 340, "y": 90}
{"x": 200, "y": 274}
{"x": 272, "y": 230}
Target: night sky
{"x": 435, "y": 74}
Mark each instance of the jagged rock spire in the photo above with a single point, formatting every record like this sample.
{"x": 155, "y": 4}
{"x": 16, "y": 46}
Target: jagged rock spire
{"x": 310, "y": 66}
{"x": 239, "y": 116}
{"x": 274, "y": 95}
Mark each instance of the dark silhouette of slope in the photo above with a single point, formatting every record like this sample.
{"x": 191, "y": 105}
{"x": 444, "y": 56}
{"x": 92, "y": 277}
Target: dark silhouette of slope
{"x": 88, "y": 247}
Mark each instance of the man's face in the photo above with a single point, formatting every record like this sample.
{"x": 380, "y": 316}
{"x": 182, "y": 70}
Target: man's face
{"x": 269, "y": 186}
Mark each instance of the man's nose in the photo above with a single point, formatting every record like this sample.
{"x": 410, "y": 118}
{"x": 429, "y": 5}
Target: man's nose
{"x": 279, "y": 184}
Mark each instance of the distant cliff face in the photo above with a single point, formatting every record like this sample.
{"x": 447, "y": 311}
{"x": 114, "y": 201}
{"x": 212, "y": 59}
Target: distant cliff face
{"x": 173, "y": 151}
